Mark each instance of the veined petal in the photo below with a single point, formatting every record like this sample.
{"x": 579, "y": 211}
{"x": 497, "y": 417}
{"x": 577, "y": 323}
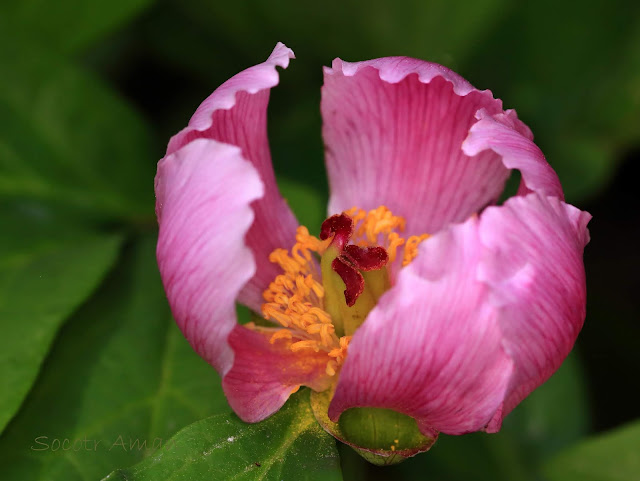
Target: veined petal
{"x": 393, "y": 128}
{"x": 236, "y": 113}
{"x": 533, "y": 266}
{"x": 432, "y": 347}
{"x": 264, "y": 375}
{"x": 507, "y": 136}
{"x": 485, "y": 314}
{"x": 203, "y": 196}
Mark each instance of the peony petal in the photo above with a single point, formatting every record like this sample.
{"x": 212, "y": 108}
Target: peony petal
{"x": 204, "y": 191}
{"x": 236, "y": 113}
{"x": 508, "y": 137}
{"x": 393, "y": 128}
{"x": 534, "y": 268}
{"x": 432, "y": 347}
{"x": 235, "y": 95}
{"x": 264, "y": 375}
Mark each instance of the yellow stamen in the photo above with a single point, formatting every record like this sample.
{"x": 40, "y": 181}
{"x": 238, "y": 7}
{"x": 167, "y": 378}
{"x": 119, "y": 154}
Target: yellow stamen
{"x": 298, "y": 346}
{"x": 338, "y": 354}
{"x": 380, "y": 227}
{"x": 281, "y": 334}
{"x": 375, "y": 226}
{"x": 296, "y": 298}
{"x": 411, "y": 248}
{"x": 395, "y": 241}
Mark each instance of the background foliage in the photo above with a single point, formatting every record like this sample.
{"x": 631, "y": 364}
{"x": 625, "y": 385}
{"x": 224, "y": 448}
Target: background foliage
{"x": 90, "y": 93}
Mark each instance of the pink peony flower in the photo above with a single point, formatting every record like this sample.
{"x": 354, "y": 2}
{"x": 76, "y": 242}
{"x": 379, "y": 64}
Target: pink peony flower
{"x": 454, "y": 309}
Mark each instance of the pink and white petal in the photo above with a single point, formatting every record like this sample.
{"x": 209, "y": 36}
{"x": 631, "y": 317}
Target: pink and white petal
{"x": 236, "y": 113}
{"x": 264, "y": 375}
{"x": 258, "y": 79}
{"x": 203, "y": 195}
{"x": 507, "y": 136}
{"x": 534, "y": 268}
{"x": 393, "y": 129}
{"x": 432, "y": 347}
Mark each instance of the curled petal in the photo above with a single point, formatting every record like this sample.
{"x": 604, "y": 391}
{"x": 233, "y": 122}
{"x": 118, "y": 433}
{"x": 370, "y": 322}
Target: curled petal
{"x": 264, "y": 375}
{"x": 534, "y": 268}
{"x": 432, "y": 347}
{"x": 236, "y": 113}
{"x": 204, "y": 191}
{"x": 485, "y": 314}
{"x": 393, "y": 128}
{"x": 507, "y": 136}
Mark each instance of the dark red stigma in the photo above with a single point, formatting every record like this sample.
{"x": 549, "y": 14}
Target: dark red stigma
{"x": 352, "y": 258}
{"x": 351, "y": 277}
{"x": 340, "y": 226}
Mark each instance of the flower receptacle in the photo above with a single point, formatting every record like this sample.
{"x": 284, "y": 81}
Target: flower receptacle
{"x": 381, "y": 436}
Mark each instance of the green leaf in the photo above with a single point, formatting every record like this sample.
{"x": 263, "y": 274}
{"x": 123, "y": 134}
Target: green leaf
{"x": 290, "y": 445}
{"x": 612, "y": 456}
{"x": 119, "y": 381}
{"x": 69, "y": 25}
{"x": 67, "y": 139}
{"x": 41, "y": 282}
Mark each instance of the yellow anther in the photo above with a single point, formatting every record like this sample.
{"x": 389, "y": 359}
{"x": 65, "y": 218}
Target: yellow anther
{"x": 341, "y": 352}
{"x": 270, "y": 312}
{"x": 294, "y": 298}
{"x": 331, "y": 368}
{"x": 314, "y": 328}
{"x": 338, "y": 355}
{"x": 395, "y": 241}
{"x": 281, "y": 334}
{"x": 287, "y": 263}
{"x": 302, "y": 288}
{"x": 300, "y": 345}
{"x": 320, "y": 314}
{"x": 307, "y": 242}
{"x": 411, "y": 248}
{"x": 344, "y": 342}
{"x": 376, "y": 226}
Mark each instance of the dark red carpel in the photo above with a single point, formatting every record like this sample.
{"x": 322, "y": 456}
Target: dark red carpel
{"x": 353, "y": 280}
{"x": 352, "y": 258}
{"x": 366, "y": 258}
{"x": 341, "y": 227}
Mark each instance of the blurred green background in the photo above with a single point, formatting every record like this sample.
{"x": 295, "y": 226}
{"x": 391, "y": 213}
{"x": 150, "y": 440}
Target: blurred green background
{"x": 90, "y": 93}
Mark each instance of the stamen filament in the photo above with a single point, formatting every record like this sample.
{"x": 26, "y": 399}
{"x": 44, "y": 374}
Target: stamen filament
{"x": 307, "y": 299}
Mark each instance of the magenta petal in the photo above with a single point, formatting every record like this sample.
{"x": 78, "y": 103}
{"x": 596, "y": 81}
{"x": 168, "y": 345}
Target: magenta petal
{"x": 204, "y": 191}
{"x": 534, "y": 268}
{"x": 432, "y": 347}
{"x": 393, "y": 128}
{"x": 512, "y": 140}
{"x": 236, "y": 113}
{"x": 264, "y": 375}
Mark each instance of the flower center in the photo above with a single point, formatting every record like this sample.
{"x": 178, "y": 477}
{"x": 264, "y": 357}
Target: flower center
{"x": 329, "y": 285}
